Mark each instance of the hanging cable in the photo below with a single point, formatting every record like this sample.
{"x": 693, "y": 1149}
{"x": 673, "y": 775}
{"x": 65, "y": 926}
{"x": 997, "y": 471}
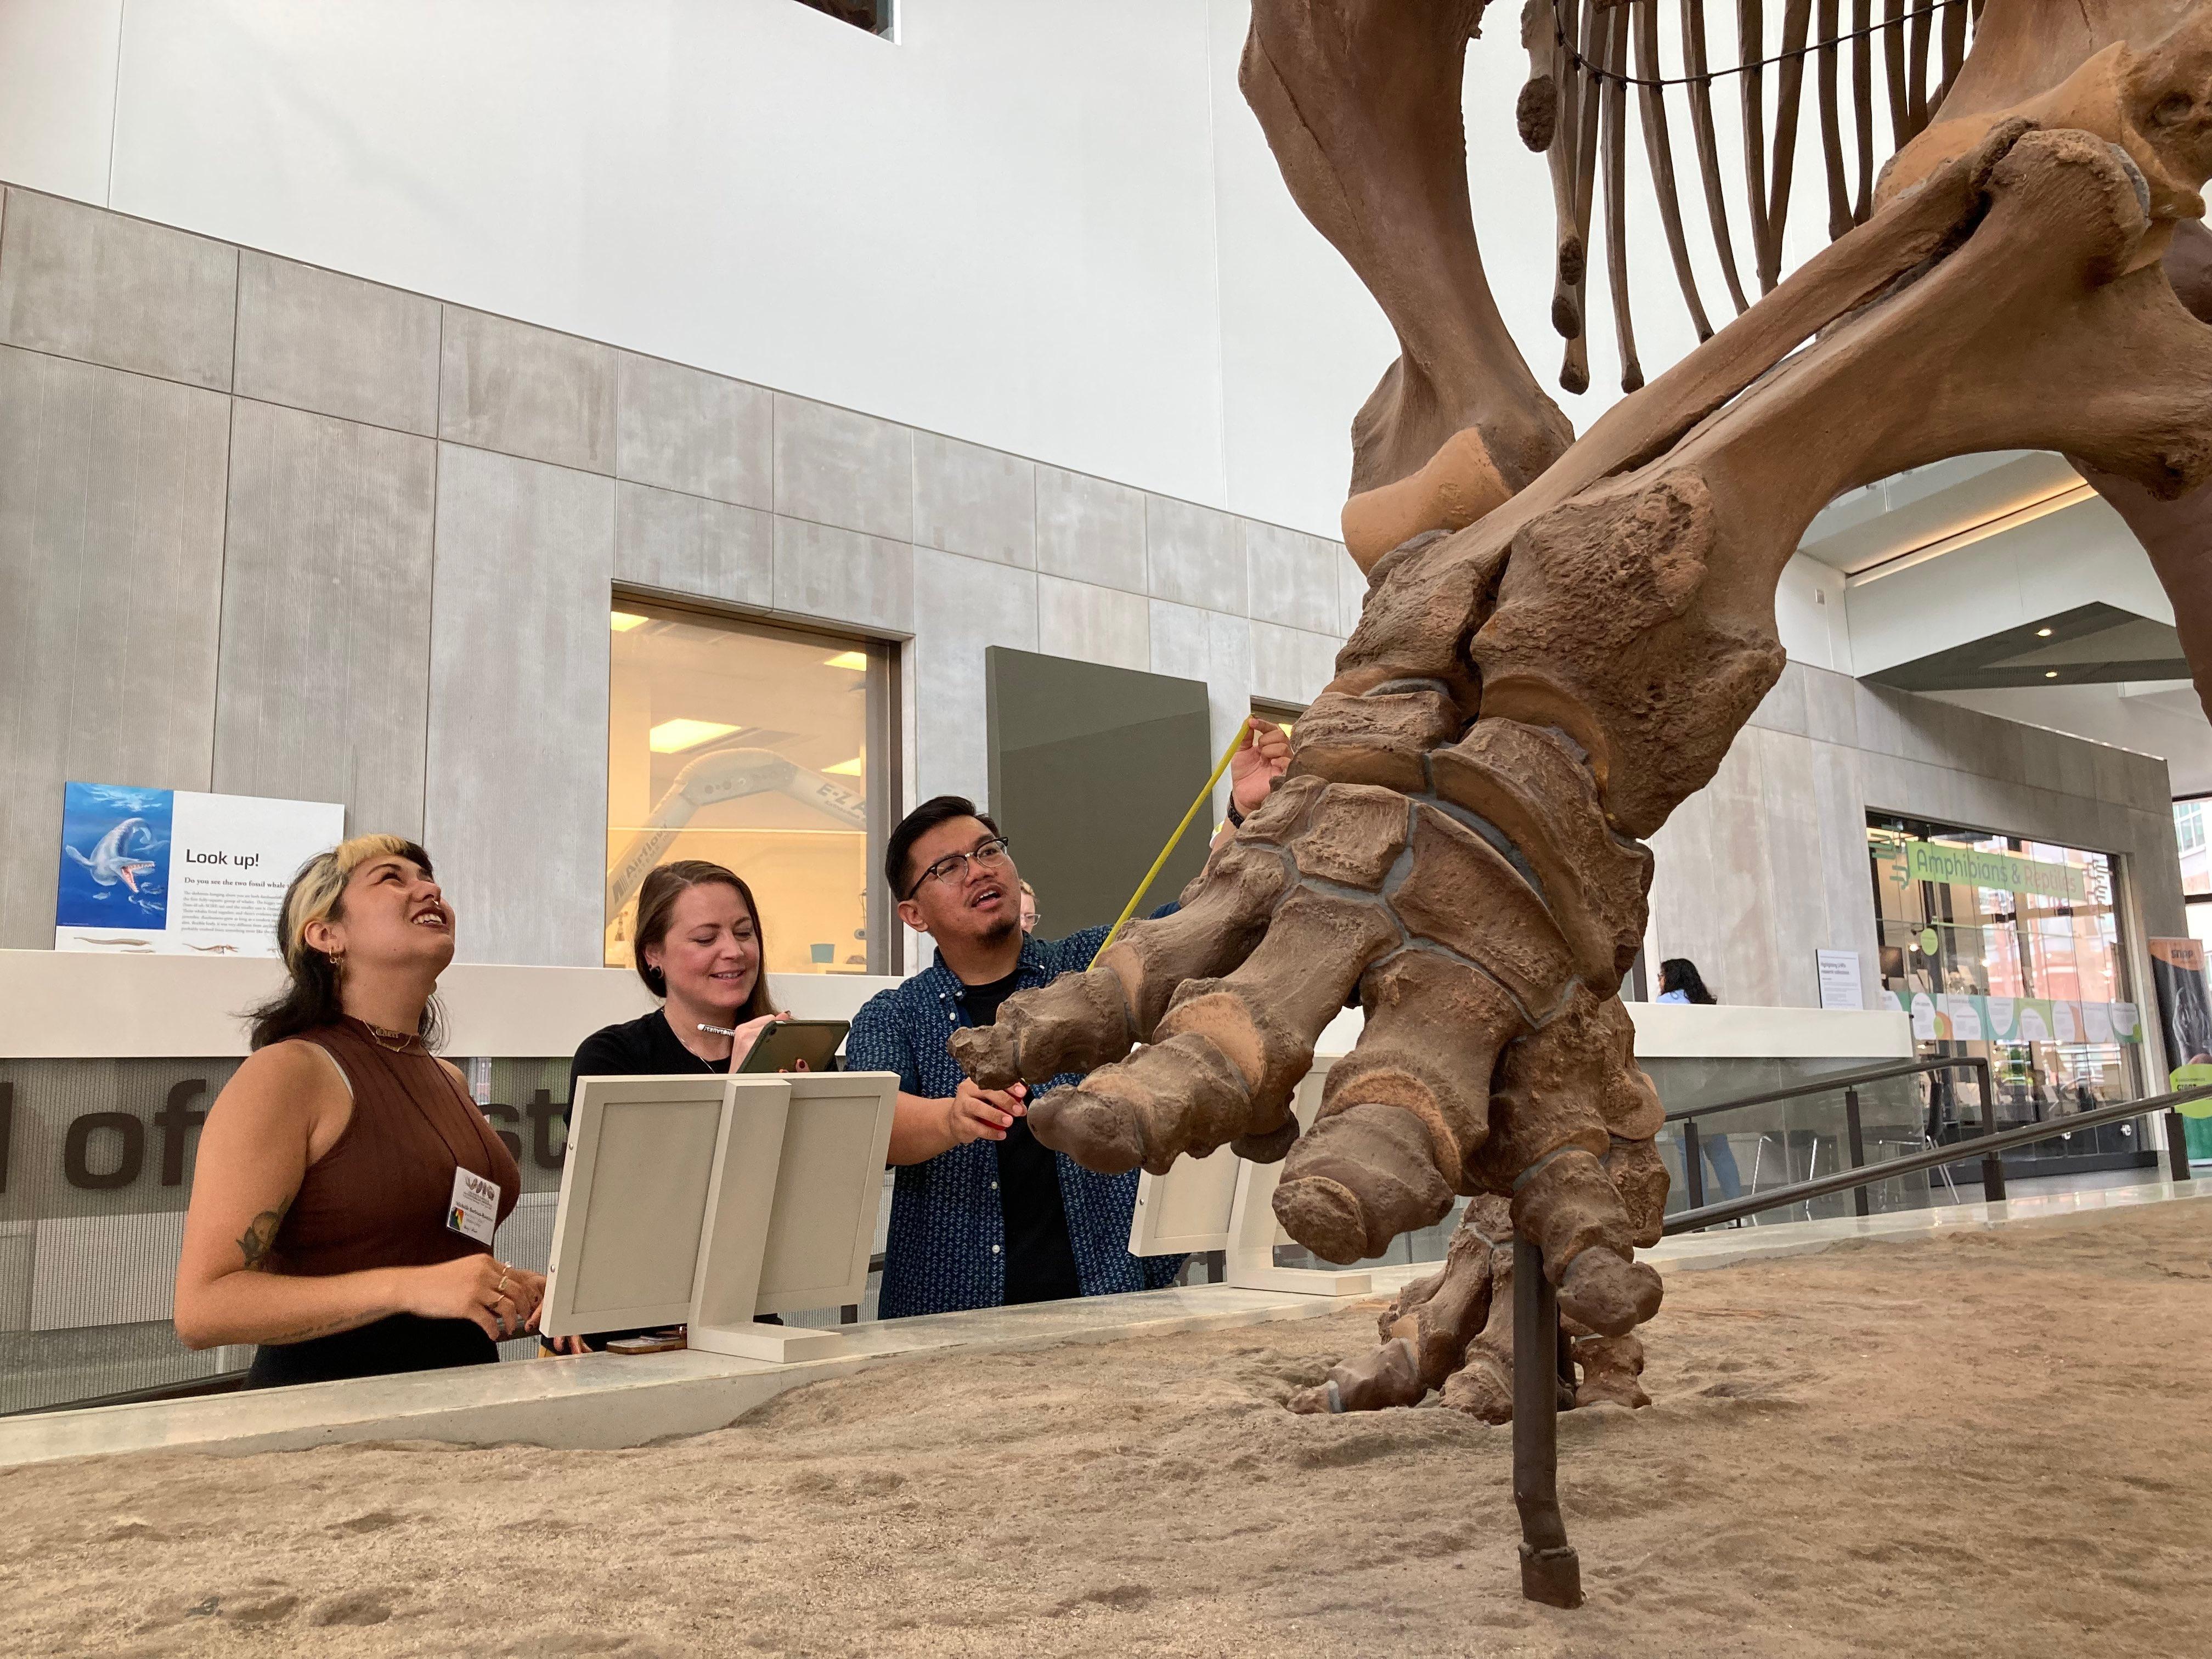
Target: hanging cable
{"x": 1595, "y": 73}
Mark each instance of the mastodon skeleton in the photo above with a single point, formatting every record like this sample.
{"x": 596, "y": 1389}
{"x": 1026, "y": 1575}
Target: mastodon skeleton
{"x": 1586, "y": 61}
{"x": 1562, "y": 636}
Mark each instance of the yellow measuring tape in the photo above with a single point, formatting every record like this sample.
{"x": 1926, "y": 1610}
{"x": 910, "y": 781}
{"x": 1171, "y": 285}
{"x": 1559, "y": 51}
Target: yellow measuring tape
{"x": 1243, "y": 731}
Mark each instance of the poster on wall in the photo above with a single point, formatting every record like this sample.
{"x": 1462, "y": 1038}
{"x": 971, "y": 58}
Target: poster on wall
{"x": 1840, "y": 985}
{"x": 2184, "y": 1009}
{"x": 169, "y": 871}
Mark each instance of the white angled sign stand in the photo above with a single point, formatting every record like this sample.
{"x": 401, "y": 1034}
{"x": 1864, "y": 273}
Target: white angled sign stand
{"x": 1225, "y": 1203}
{"x": 709, "y": 1202}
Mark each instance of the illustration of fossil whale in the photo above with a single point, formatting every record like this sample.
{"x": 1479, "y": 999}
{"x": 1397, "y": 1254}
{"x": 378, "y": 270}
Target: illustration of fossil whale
{"x": 111, "y": 860}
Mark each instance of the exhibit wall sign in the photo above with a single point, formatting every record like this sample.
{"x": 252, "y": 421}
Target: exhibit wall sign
{"x": 2184, "y": 1012}
{"x": 1970, "y": 866}
{"x": 171, "y": 871}
{"x": 1952, "y": 1017}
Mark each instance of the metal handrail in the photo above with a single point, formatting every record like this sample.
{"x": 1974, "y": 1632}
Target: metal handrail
{"x": 1694, "y": 1174}
{"x": 1551, "y": 1572}
{"x": 1989, "y": 1145}
{"x": 1833, "y": 1080}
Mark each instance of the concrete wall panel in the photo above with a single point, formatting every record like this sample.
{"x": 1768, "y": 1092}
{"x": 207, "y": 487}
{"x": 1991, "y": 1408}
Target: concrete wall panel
{"x": 834, "y": 467}
{"x": 1090, "y": 530}
{"x": 1290, "y": 664}
{"x": 103, "y": 289}
{"x": 516, "y": 809}
{"x": 316, "y": 340}
{"x": 322, "y": 691}
{"x": 684, "y": 429}
{"x": 974, "y": 501}
{"x": 961, "y": 607}
{"x": 1193, "y": 555}
{"x": 528, "y": 391}
{"x": 691, "y": 545}
{"x": 111, "y": 567}
{"x": 1093, "y": 625}
{"x": 841, "y": 576}
{"x": 1291, "y": 578}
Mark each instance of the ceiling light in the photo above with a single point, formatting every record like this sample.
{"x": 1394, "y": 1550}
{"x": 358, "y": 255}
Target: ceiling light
{"x": 2043, "y": 633}
{"x": 2050, "y": 673}
{"x": 852, "y": 659}
{"x": 850, "y": 768}
{"x": 623, "y": 621}
{"x": 672, "y": 737}
{"x": 2071, "y": 495}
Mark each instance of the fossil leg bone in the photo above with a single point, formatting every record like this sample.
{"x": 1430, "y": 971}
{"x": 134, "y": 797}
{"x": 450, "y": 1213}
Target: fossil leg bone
{"x": 1360, "y": 102}
{"x": 1525, "y": 697}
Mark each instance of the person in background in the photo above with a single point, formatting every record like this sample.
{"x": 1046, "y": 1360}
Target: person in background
{"x": 1681, "y": 982}
{"x": 983, "y": 1214}
{"x": 1029, "y": 909}
{"x": 697, "y": 946}
{"x": 347, "y": 1187}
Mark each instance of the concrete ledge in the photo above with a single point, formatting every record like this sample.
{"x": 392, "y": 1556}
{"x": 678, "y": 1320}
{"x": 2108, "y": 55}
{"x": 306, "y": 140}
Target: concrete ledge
{"x": 605, "y": 1401}
{"x": 1726, "y": 1246}
{"x": 609, "y": 1399}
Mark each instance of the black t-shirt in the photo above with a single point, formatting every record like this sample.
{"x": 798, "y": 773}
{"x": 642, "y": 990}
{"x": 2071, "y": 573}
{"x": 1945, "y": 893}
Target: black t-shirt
{"x": 644, "y": 1046}
{"x": 1040, "y": 1262}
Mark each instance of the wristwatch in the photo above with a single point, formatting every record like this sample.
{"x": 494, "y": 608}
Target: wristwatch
{"x": 1236, "y": 818}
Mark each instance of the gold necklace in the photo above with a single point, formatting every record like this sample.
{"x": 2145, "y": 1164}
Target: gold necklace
{"x": 399, "y": 1041}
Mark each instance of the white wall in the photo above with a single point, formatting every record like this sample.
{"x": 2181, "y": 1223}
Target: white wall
{"x": 1047, "y": 226}
{"x": 1006, "y": 226}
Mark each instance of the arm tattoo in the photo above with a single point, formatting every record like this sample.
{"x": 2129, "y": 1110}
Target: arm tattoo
{"x": 320, "y": 1328}
{"x": 260, "y": 1237}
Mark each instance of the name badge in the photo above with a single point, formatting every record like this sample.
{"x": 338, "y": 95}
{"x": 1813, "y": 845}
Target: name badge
{"x": 474, "y": 1212}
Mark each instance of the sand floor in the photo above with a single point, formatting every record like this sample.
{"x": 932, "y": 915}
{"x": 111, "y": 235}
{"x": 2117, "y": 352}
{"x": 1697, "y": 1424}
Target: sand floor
{"x": 1980, "y": 1443}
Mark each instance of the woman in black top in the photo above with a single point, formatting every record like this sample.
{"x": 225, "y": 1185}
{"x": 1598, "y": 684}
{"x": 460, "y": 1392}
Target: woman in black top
{"x": 697, "y": 946}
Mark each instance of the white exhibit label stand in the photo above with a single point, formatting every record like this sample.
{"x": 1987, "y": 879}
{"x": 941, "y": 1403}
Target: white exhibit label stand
{"x": 713, "y": 1201}
{"x": 733, "y": 1238}
{"x": 1226, "y": 1203}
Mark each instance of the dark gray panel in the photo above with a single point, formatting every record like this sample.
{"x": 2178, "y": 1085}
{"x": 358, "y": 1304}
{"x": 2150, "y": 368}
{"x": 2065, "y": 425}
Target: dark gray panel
{"x": 1091, "y": 770}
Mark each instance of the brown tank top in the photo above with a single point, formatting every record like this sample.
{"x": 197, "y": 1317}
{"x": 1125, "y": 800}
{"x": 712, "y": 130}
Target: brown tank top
{"x": 378, "y": 1198}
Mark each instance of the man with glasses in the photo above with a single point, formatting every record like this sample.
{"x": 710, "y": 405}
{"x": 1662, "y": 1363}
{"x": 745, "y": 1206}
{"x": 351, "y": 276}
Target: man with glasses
{"x": 982, "y": 1213}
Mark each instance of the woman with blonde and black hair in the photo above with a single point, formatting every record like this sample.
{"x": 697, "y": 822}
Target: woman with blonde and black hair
{"x": 347, "y": 1187}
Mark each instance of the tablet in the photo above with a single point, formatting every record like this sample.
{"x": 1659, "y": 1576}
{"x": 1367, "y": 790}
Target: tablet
{"x": 784, "y": 1046}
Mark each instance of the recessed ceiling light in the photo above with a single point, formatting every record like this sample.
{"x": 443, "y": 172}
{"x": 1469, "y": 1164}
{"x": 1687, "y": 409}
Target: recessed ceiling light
{"x": 672, "y": 737}
{"x": 2050, "y": 673}
{"x": 2043, "y": 633}
{"x": 624, "y": 620}
{"x": 850, "y": 768}
{"x": 852, "y": 659}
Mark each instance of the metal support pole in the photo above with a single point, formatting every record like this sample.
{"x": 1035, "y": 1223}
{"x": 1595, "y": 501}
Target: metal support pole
{"x": 1550, "y": 1571}
{"x": 1993, "y": 1186}
{"x": 1856, "y": 1137}
{"x": 2177, "y": 1145}
{"x": 1992, "y": 1178}
{"x": 1693, "y": 1174}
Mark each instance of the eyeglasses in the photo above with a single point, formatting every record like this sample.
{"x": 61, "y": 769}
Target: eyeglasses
{"x": 953, "y": 866}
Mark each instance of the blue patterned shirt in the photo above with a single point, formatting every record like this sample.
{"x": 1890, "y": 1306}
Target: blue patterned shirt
{"x": 947, "y": 1250}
